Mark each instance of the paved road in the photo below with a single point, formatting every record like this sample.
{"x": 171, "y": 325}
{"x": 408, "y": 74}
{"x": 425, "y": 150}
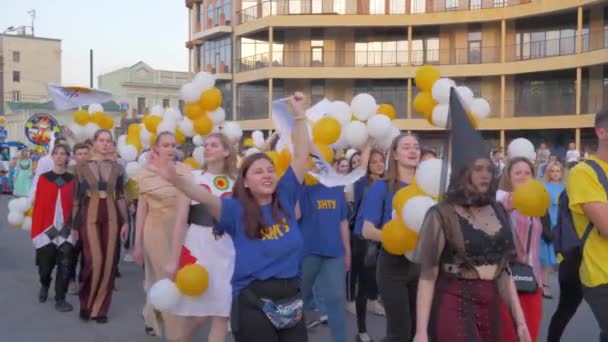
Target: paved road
{"x": 22, "y": 318}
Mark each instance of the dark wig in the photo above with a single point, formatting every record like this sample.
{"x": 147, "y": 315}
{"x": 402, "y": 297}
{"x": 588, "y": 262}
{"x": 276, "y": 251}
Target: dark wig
{"x": 462, "y": 192}
{"x": 253, "y": 220}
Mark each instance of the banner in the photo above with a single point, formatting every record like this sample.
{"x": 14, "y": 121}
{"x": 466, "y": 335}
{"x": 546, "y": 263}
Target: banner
{"x": 326, "y": 174}
{"x": 65, "y": 98}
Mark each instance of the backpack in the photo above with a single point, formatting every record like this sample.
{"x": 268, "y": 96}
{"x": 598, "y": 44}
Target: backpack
{"x": 565, "y": 238}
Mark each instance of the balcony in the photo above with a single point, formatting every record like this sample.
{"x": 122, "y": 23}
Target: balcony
{"x": 592, "y": 41}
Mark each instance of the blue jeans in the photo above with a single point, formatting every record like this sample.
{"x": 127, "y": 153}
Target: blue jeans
{"x": 318, "y": 303}
{"x": 327, "y": 274}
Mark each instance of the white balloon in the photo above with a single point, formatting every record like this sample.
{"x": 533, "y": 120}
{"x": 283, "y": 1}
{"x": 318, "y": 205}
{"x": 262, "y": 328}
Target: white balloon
{"x": 233, "y": 130}
{"x": 166, "y": 126}
{"x": 128, "y": 153}
{"x": 164, "y": 295}
{"x": 440, "y": 115}
{"x": 252, "y": 151}
{"x": 90, "y": 129}
{"x": 350, "y": 153}
{"x": 204, "y": 80}
{"x": 363, "y": 106}
{"x": 27, "y": 224}
{"x": 342, "y": 143}
{"x": 466, "y": 95}
{"x": 142, "y": 160}
{"x": 521, "y": 147}
{"x": 394, "y": 132}
{"x": 122, "y": 141}
{"x": 441, "y": 90}
{"x": 78, "y": 132}
{"x": 340, "y": 111}
{"x": 199, "y": 155}
{"x": 356, "y": 133}
{"x": 198, "y": 140}
{"x": 22, "y": 204}
{"x": 218, "y": 116}
{"x": 29, "y": 203}
{"x": 144, "y": 136}
{"x": 428, "y": 176}
{"x": 13, "y": 205}
{"x": 189, "y": 92}
{"x": 378, "y": 126}
{"x": 480, "y": 108}
{"x": 172, "y": 115}
{"x": 218, "y": 129}
{"x": 415, "y": 209}
{"x": 95, "y": 107}
{"x": 258, "y": 138}
{"x": 186, "y": 127}
{"x": 132, "y": 169}
{"x": 157, "y": 110}
{"x": 15, "y": 218}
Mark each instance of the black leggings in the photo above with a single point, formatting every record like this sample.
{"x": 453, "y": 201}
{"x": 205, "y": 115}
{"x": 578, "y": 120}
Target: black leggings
{"x": 398, "y": 285}
{"x": 49, "y": 256}
{"x": 249, "y": 323}
{"x": 570, "y": 296}
{"x": 364, "y": 281}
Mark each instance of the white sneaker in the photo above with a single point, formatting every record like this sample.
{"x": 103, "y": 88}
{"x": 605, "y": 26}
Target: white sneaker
{"x": 128, "y": 258}
{"x": 351, "y": 307}
{"x": 376, "y": 308}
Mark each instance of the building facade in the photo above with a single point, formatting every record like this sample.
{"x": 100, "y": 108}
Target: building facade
{"x": 541, "y": 64}
{"x": 140, "y": 87}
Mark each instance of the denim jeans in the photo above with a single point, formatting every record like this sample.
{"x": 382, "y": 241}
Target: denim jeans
{"x": 326, "y": 273}
{"x": 319, "y": 305}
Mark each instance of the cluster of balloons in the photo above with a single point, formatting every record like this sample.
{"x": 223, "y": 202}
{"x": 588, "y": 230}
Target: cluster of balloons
{"x": 191, "y": 280}
{"x": 410, "y": 206}
{"x": 20, "y": 213}
{"x": 433, "y": 101}
{"x": 87, "y": 122}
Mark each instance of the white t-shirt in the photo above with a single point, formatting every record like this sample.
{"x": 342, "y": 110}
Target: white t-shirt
{"x": 573, "y": 156}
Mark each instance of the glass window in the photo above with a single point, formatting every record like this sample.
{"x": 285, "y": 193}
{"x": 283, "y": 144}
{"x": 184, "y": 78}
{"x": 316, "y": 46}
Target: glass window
{"x": 227, "y": 13}
{"x": 317, "y": 91}
{"x": 402, "y": 52}
{"x": 217, "y": 13}
{"x": 199, "y": 13}
{"x": 418, "y": 52}
{"x": 538, "y": 43}
{"x": 252, "y": 101}
{"x": 500, "y": 3}
{"x": 278, "y": 89}
{"x": 451, "y": 5}
{"x": 317, "y": 6}
{"x": 389, "y": 91}
{"x": 567, "y": 42}
{"x": 474, "y": 4}
{"x": 545, "y": 93}
{"x": 198, "y": 53}
{"x": 226, "y": 89}
{"x": 141, "y": 105}
{"x": 316, "y": 52}
{"x": 295, "y": 7}
{"x": 166, "y": 103}
{"x": 16, "y": 96}
{"x": 552, "y": 45}
{"x": 418, "y": 6}
{"x": 210, "y": 16}
{"x": 432, "y": 50}
{"x": 16, "y": 76}
{"x": 376, "y": 7}
{"x": 340, "y": 6}
{"x": 16, "y": 56}
{"x": 397, "y": 6}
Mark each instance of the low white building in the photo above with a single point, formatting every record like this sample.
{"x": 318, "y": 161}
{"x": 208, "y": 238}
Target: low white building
{"x": 140, "y": 87}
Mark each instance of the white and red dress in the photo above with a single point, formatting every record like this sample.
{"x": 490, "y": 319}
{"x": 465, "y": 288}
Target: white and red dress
{"x": 207, "y": 248}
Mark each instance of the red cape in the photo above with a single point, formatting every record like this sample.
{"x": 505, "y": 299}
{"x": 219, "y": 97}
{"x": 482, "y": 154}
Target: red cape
{"x": 46, "y": 198}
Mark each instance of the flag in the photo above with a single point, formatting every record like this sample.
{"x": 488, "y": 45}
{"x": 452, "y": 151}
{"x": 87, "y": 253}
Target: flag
{"x": 326, "y": 174}
{"x": 65, "y": 98}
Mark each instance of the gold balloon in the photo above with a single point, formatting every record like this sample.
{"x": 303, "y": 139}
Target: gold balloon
{"x": 151, "y": 122}
{"x": 192, "y": 280}
{"x": 426, "y": 76}
{"x": 180, "y": 138}
{"x": 203, "y": 125}
{"x": 97, "y": 117}
{"x": 326, "y": 152}
{"x": 193, "y": 163}
{"x": 388, "y": 110}
{"x": 210, "y": 99}
{"x": 81, "y": 117}
{"x": 473, "y": 119}
{"x": 193, "y": 110}
{"x": 396, "y": 238}
{"x": 106, "y": 122}
{"x": 133, "y": 129}
{"x": 404, "y": 194}
{"x": 248, "y": 142}
{"x": 531, "y": 199}
{"x": 424, "y": 104}
{"x": 326, "y": 131}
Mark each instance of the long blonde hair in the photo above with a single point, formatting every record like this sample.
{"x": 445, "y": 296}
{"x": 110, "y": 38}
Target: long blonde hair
{"x": 552, "y": 165}
{"x": 230, "y": 162}
{"x": 392, "y": 173}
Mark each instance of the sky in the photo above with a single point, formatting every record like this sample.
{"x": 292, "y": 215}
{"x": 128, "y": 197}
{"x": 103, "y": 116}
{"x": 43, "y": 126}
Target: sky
{"x": 121, "y": 32}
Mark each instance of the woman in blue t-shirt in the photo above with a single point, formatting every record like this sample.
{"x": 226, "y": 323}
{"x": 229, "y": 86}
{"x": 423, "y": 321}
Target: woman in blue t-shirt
{"x": 260, "y": 218}
{"x": 397, "y": 277}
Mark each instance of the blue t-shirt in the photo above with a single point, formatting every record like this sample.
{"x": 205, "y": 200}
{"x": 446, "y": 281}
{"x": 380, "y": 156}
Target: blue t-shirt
{"x": 323, "y": 210}
{"x": 278, "y": 253}
{"x": 375, "y": 199}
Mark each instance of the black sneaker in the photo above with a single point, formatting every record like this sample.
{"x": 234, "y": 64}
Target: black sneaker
{"x": 84, "y": 315}
{"x": 101, "y": 319}
{"x": 63, "y": 306}
{"x": 44, "y": 294}
{"x": 313, "y": 323}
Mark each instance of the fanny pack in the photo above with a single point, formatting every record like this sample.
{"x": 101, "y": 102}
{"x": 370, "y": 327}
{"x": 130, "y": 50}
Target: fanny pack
{"x": 283, "y": 314}
{"x": 523, "y": 274}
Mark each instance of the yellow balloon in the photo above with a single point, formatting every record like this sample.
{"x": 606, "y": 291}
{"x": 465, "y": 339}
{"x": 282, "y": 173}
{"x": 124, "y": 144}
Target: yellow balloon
{"x": 203, "y": 125}
{"x": 29, "y": 212}
{"x": 404, "y": 194}
{"x": 4, "y": 121}
{"x": 473, "y": 119}
{"x": 192, "y": 280}
{"x": 388, "y": 110}
{"x": 152, "y": 139}
{"x": 106, "y": 122}
{"x": 531, "y": 199}
{"x": 193, "y": 110}
{"x": 310, "y": 180}
{"x": 285, "y": 157}
{"x": 151, "y": 122}
{"x": 97, "y": 117}
{"x": 210, "y": 99}
{"x": 326, "y": 131}
{"x": 396, "y": 238}
{"x": 277, "y": 160}
{"x": 180, "y": 138}
{"x": 248, "y": 142}
{"x": 426, "y": 77}
{"x": 424, "y": 104}
{"x": 81, "y": 117}
{"x": 192, "y": 162}
{"x": 133, "y": 129}
{"x": 326, "y": 152}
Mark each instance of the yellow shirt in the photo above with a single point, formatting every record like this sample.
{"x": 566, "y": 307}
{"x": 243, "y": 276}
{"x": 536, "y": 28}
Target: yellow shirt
{"x": 583, "y": 186}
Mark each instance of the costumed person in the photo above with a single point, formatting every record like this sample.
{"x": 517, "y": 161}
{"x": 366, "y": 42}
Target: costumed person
{"x": 51, "y": 233}
{"x": 155, "y": 223}
{"x": 464, "y": 249}
{"x": 397, "y": 277}
{"x": 23, "y": 174}
{"x": 45, "y": 164}
{"x": 327, "y": 254}
{"x": 12, "y": 169}
{"x": 267, "y": 240}
{"x": 199, "y": 242}
{"x": 528, "y": 234}
{"x": 554, "y": 183}
{"x": 100, "y": 216}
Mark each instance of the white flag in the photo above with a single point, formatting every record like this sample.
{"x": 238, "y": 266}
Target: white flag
{"x": 65, "y": 98}
{"x": 326, "y": 174}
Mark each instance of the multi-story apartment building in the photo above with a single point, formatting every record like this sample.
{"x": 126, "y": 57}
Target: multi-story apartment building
{"x": 542, "y": 64}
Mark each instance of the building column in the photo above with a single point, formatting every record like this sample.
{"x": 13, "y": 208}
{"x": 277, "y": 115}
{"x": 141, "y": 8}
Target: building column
{"x": 409, "y": 45}
{"x": 579, "y": 30}
{"x": 577, "y": 138}
{"x": 503, "y": 90}
{"x": 502, "y": 139}
{"x": 579, "y": 84}
{"x": 270, "y": 43}
{"x": 503, "y": 40}
{"x": 269, "y": 96}
{"x": 408, "y": 110}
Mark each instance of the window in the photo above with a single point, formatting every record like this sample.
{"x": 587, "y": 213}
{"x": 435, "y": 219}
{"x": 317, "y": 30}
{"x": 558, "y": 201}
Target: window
{"x": 217, "y": 55}
{"x": 317, "y": 6}
{"x": 199, "y": 13}
{"x": 418, "y": 6}
{"x": 317, "y": 91}
{"x": 166, "y": 103}
{"x": 340, "y": 6}
{"x": 389, "y": 91}
{"x": 180, "y": 105}
{"x": 141, "y": 105}
{"x": 397, "y": 7}
{"x": 295, "y": 7}
{"x": 217, "y": 13}
{"x": 316, "y": 49}
{"x": 548, "y": 43}
{"x": 209, "y": 22}
{"x": 376, "y": 7}
{"x": 451, "y": 5}
{"x": 425, "y": 51}
{"x": 552, "y": 45}
{"x": 474, "y": 47}
{"x": 474, "y": 4}
{"x": 226, "y": 89}
{"x": 16, "y": 56}
{"x": 252, "y": 101}
{"x": 198, "y": 52}
{"x": 16, "y": 96}
{"x": 389, "y": 52}
{"x": 545, "y": 93}
{"x": 227, "y": 13}
{"x": 254, "y": 54}
{"x": 249, "y": 10}
{"x": 16, "y": 76}
{"x": 501, "y": 3}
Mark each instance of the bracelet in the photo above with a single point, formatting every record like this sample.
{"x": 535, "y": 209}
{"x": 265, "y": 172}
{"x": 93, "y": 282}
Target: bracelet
{"x": 300, "y": 118}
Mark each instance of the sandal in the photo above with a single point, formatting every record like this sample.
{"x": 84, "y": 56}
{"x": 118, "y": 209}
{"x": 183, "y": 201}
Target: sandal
{"x": 150, "y": 331}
